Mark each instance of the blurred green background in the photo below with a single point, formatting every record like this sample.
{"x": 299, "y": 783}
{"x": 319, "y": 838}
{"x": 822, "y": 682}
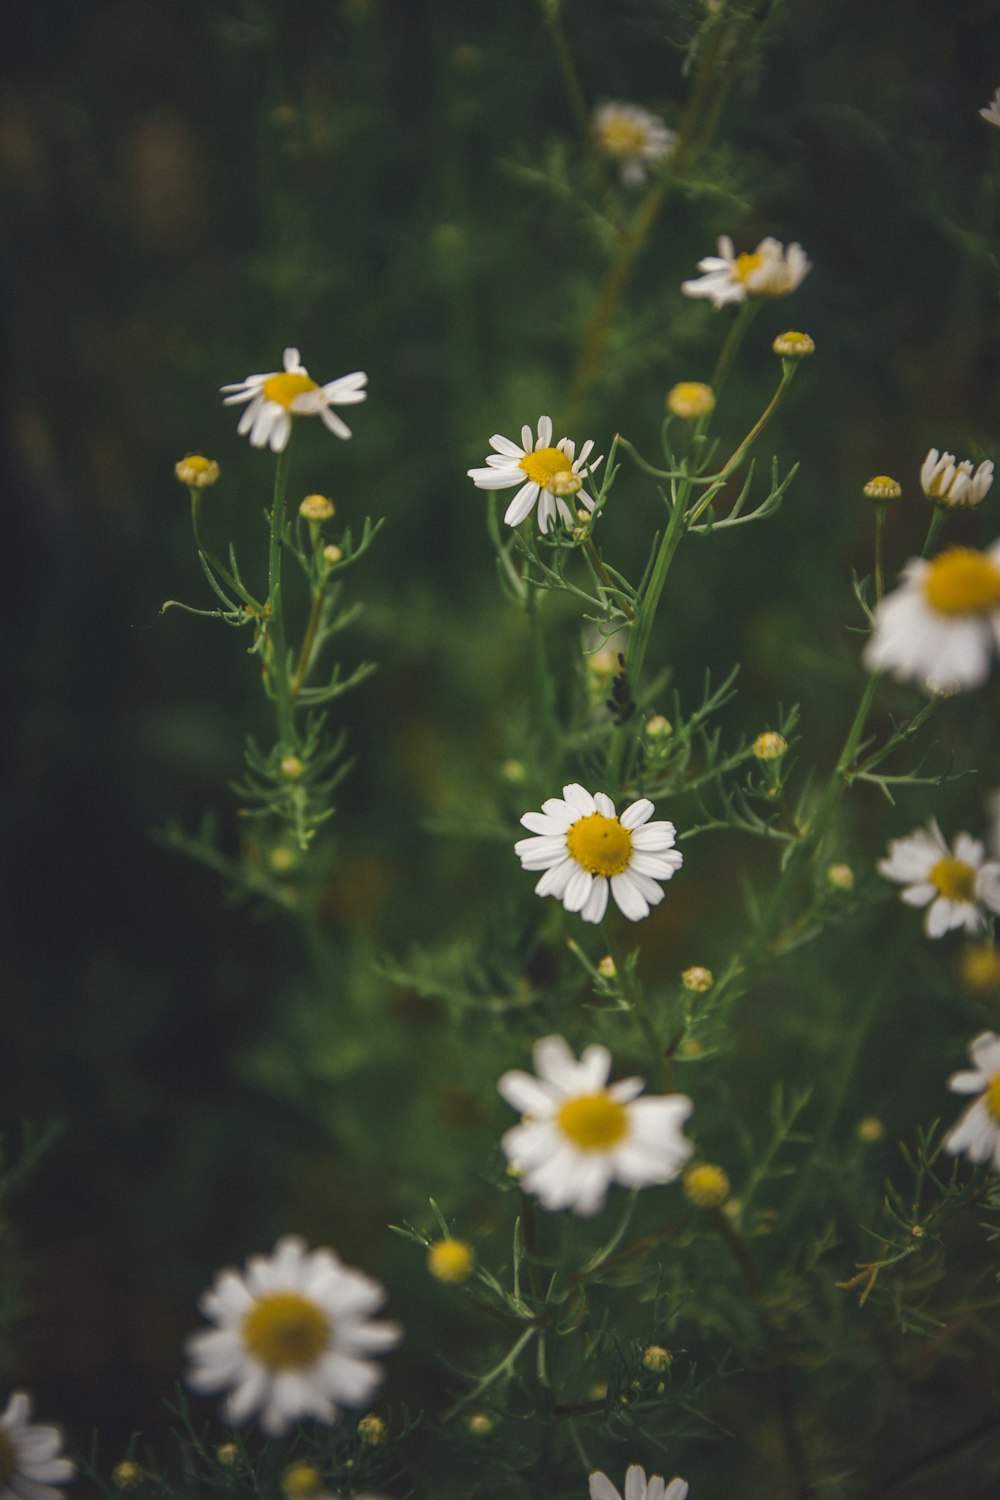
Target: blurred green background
{"x": 396, "y": 187}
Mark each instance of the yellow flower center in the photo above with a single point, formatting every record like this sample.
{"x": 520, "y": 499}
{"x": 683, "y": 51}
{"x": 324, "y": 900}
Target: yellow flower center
{"x": 285, "y": 1331}
{"x": 993, "y": 1096}
{"x": 954, "y": 879}
{"x": 601, "y": 845}
{"x": 594, "y": 1122}
{"x": 451, "y": 1260}
{"x": 962, "y": 581}
{"x": 621, "y": 136}
{"x": 544, "y": 464}
{"x": 283, "y": 389}
{"x": 746, "y": 264}
{"x": 8, "y": 1458}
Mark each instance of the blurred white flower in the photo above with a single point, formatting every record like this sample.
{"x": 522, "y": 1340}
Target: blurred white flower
{"x": 977, "y": 1133}
{"x": 942, "y": 625}
{"x": 956, "y": 886}
{"x": 29, "y": 1454}
{"x": 583, "y": 847}
{"x": 637, "y": 1487}
{"x": 293, "y": 1337}
{"x": 951, "y": 484}
{"x": 634, "y": 137}
{"x": 278, "y": 397}
{"x": 772, "y": 270}
{"x": 578, "y": 1136}
{"x": 540, "y": 469}
{"x": 992, "y": 110}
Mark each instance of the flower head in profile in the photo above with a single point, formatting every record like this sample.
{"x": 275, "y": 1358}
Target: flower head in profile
{"x": 293, "y": 1337}
{"x": 274, "y": 399}
{"x": 954, "y": 484}
{"x": 580, "y": 1134}
{"x": 977, "y": 1133}
{"x": 955, "y": 885}
{"x": 585, "y": 849}
{"x": 772, "y": 270}
{"x": 634, "y": 137}
{"x": 941, "y": 626}
{"x": 992, "y": 110}
{"x": 637, "y": 1487}
{"x": 29, "y": 1454}
{"x": 545, "y": 473}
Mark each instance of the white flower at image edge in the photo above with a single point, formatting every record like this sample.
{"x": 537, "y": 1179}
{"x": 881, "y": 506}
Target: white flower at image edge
{"x": 941, "y": 627}
{"x": 293, "y": 1337}
{"x": 546, "y": 473}
{"x": 584, "y": 848}
{"x": 276, "y": 398}
{"x": 954, "y": 884}
{"x": 992, "y": 110}
{"x": 977, "y": 1133}
{"x": 29, "y": 1454}
{"x": 637, "y": 1487}
{"x": 578, "y": 1134}
{"x": 769, "y": 271}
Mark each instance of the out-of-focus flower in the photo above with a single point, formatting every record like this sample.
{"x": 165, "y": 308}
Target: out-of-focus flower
{"x": 579, "y": 1134}
{"x": 545, "y": 472}
{"x": 690, "y": 399}
{"x": 941, "y": 626}
{"x": 451, "y": 1260}
{"x": 196, "y": 471}
{"x": 276, "y": 398}
{"x": 637, "y": 1487}
{"x": 955, "y": 886}
{"x": 706, "y": 1185}
{"x": 30, "y": 1464}
{"x": 584, "y": 848}
{"x": 954, "y": 484}
{"x": 793, "y": 345}
{"x": 772, "y": 270}
{"x": 977, "y": 1133}
{"x": 634, "y": 137}
{"x": 992, "y": 110}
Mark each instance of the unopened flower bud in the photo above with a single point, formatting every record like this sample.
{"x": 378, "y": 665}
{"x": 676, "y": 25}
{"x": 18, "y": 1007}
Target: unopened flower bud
{"x": 513, "y": 771}
{"x": 606, "y": 967}
{"x": 690, "y": 400}
{"x": 565, "y": 483}
{"x": 841, "y": 877}
{"x": 792, "y": 345}
{"x": 317, "y": 508}
{"x": 227, "y": 1453}
{"x": 979, "y": 968}
{"x": 451, "y": 1260}
{"x": 479, "y": 1423}
{"x": 656, "y": 1358}
{"x": 372, "y": 1430}
{"x": 657, "y": 728}
{"x": 292, "y": 768}
{"x": 332, "y": 553}
{"x": 698, "y": 979}
{"x": 770, "y": 745}
{"x": 883, "y": 488}
{"x": 127, "y": 1475}
{"x": 705, "y": 1185}
{"x": 301, "y": 1482}
{"x": 197, "y": 472}
{"x": 870, "y": 1130}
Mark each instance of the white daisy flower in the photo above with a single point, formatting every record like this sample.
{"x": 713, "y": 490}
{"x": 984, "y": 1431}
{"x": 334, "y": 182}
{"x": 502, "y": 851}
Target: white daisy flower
{"x": 951, "y": 484}
{"x": 276, "y": 398}
{"x": 583, "y": 846}
{"x": 978, "y": 1131}
{"x": 954, "y": 885}
{"x": 634, "y": 137}
{"x": 293, "y": 1337}
{"x": 554, "y": 473}
{"x": 992, "y": 110}
{"x": 29, "y": 1461}
{"x": 942, "y": 625}
{"x": 578, "y": 1136}
{"x": 637, "y": 1487}
{"x": 772, "y": 270}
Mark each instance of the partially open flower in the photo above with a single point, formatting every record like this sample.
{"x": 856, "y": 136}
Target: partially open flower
{"x": 772, "y": 270}
{"x": 690, "y": 399}
{"x": 196, "y": 471}
{"x": 954, "y": 484}
{"x": 883, "y": 488}
{"x": 792, "y": 345}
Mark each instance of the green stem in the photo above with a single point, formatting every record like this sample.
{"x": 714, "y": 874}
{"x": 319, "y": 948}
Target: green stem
{"x": 210, "y": 557}
{"x": 738, "y": 330}
{"x": 880, "y": 511}
{"x": 633, "y": 997}
{"x": 938, "y": 518}
{"x": 737, "y": 457}
{"x": 277, "y": 657}
{"x": 308, "y": 642}
{"x": 578, "y": 104}
{"x": 544, "y": 688}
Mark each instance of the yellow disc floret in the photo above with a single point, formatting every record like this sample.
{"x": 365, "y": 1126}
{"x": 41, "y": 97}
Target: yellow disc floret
{"x": 601, "y": 845}
{"x": 285, "y": 1331}
{"x": 706, "y": 1185}
{"x": 622, "y": 136}
{"x": 746, "y": 264}
{"x": 544, "y": 464}
{"x": 284, "y": 388}
{"x": 955, "y": 880}
{"x": 962, "y": 581}
{"x": 993, "y": 1096}
{"x": 593, "y": 1122}
{"x": 451, "y": 1260}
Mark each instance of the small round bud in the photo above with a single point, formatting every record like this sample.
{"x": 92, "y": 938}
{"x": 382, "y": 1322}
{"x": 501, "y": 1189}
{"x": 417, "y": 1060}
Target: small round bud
{"x": 197, "y": 472}
{"x": 883, "y": 488}
{"x": 283, "y": 859}
{"x": 602, "y": 663}
{"x": 691, "y": 1048}
{"x": 451, "y": 1260}
{"x": 657, "y": 728}
{"x": 690, "y": 400}
{"x": 513, "y": 771}
{"x": 656, "y": 1358}
{"x": 317, "y": 508}
{"x": 127, "y": 1475}
{"x": 698, "y": 979}
{"x": 227, "y": 1453}
{"x": 598, "y": 1390}
{"x": 291, "y": 768}
{"x": 705, "y": 1185}
{"x": 332, "y": 553}
{"x": 770, "y": 745}
{"x": 979, "y": 968}
{"x": 606, "y": 967}
{"x": 301, "y": 1482}
{"x": 479, "y": 1423}
{"x": 372, "y": 1430}
{"x": 792, "y": 345}
{"x": 565, "y": 483}
{"x": 841, "y": 877}
{"x": 870, "y": 1130}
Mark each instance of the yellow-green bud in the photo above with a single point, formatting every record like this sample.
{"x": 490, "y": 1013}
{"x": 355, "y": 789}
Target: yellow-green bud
{"x": 317, "y": 508}
{"x": 301, "y": 1482}
{"x": 690, "y": 400}
{"x": 870, "y": 1130}
{"x": 227, "y": 1453}
{"x": 372, "y": 1430}
{"x": 332, "y": 553}
{"x": 292, "y": 768}
{"x": 480, "y": 1423}
{"x": 792, "y": 345}
{"x": 698, "y": 979}
{"x": 658, "y": 727}
{"x": 770, "y": 745}
{"x": 841, "y": 877}
{"x": 656, "y": 1358}
{"x": 606, "y": 967}
{"x": 127, "y": 1475}
{"x": 451, "y": 1260}
{"x": 197, "y": 472}
{"x": 979, "y": 968}
{"x": 883, "y": 488}
{"x": 706, "y": 1185}
{"x": 513, "y": 771}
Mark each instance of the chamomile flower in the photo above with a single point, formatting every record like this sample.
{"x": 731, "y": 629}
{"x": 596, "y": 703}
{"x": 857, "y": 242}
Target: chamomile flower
{"x": 292, "y": 1338}
{"x": 585, "y": 849}
{"x": 955, "y": 885}
{"x": 276, "y": 398}
{"x": 992, "y": 110}
{"x": 544, "y": 473}
{"x": 578, "y": 1134}
{"x": 634, "y": 137}
{"x": 29, "y": 1454}
{"x": 977, "y": 1133}
{"x": 941, "y": 626}
{"x": 954, "y": 484}
{"x": 772, "y": 270}
{"x": 637, "y": 1487}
